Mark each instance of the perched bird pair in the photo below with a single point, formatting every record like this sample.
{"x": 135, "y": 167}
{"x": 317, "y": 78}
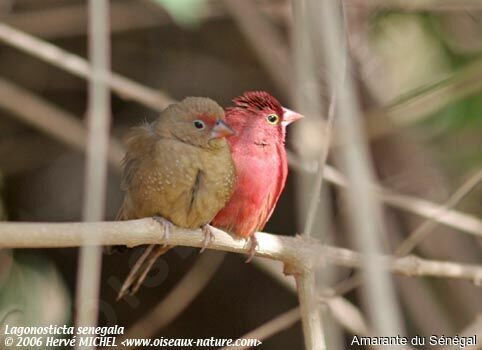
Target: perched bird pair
{"x": 196, "y": 165}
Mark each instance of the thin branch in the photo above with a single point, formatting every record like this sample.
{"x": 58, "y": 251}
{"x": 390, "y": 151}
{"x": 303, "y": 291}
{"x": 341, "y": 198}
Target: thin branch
{"x": 98, "y": 121}
{"x": 424, "y": 102}
{"x": 146, "y": 231}
{"x": 313, "y": 330}
{"x": 422, "y": 207}
{"x": 78, "y": 66}
{"x": 71, "y": 20}
{"x": 365, "y": 211}
{"x": 425, "y": 228}
{"x": 50, "y": 119}
{"x": 293, "y": 251}
{"x": 270, "y": 328}
{"x": 308, "y": 102}
{"x": 452, "y": 218}
{"x": 412, "y": 266}
{"x": 318, "y": 186}
{"x": 265, "y": 40}
{"x": 346, "y": 314}
{"x": 421, "y": 232}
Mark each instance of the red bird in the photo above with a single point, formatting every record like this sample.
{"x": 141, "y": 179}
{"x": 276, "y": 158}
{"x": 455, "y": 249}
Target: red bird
{"x": 259, "y": 155}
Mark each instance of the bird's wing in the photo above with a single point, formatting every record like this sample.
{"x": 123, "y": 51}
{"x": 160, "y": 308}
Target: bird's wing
{"x": 280, "y": 182}
{"x": 140, "y": 141}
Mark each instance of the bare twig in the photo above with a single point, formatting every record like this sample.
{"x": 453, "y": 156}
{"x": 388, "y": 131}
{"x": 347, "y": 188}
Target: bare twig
{"x": 293, "y": 251}
{"x": 90, "y": 259}
{"x": 265, "y": 40}
{"x": 424, "y": 102}
{"x": 70, "y": 19}
{"x": 422, "y": 231}
{"x": 315, "y": 199}
{"x": 308, "y": 102}
{"x": 50, "y": 119}
{"x": 311, "y": 320}
{"x": 146, "y": 231}
{"x": 452, "y": 218}
{"x": 76, "y": 65}
{"x": 414, "y": 266}
{"x": 346, "y": 314}
{"x": 425, "y": 228}
{"x": 274, "y": 326}
{"x": 365, "y": 211}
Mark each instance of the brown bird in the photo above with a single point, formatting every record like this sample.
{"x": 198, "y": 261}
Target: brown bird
{"x": 179, "y": 171}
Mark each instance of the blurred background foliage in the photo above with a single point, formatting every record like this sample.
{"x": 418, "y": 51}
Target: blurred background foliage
{"x": 194, "y": 47}
{"x": 184, "y": 12}
{"x": 32, "y": 292}
{"x": 422, "y": 52}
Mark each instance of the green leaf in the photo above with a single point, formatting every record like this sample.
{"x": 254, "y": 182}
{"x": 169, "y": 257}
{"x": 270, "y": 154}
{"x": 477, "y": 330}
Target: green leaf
{"x": 184, "y": 12}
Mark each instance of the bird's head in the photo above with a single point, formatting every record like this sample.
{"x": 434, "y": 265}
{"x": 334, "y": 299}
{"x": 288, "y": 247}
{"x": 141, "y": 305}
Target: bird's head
{"x": 195, "y": 120}
{"x": 257, "y": 117}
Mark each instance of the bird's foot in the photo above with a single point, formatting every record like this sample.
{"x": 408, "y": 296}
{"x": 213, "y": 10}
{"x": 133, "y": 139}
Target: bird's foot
{"x": 167, "y": 227}
{"x": 208, "y": 237}
{"x": 253, "y": 244}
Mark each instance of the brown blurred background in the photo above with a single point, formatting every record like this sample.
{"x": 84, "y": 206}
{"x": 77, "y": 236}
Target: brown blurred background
{"x": 400, "y": 56}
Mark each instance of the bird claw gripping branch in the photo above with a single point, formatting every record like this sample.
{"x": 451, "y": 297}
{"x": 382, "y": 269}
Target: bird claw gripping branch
{"x": 253, "y": 244}
{"x": 208, "y": 237}
{"x": 167, "y": 227}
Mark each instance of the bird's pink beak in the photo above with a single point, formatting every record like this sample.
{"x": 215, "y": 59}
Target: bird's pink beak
{"x": 221, "y": 129}
{"x": 290, "y": 116}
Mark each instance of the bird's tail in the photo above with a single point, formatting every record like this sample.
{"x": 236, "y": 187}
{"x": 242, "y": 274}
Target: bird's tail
{"x": 140, "y": 270}
{"x": 121, "y": 215}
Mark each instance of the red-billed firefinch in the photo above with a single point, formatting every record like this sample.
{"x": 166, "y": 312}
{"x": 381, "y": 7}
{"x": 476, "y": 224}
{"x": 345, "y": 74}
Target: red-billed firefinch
{"x": 178, "y": 170}
{"x": 258, "y": 151}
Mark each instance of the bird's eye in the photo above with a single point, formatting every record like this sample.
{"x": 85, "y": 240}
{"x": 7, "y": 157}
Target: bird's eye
{"x": 199, "y": 124}
{"x": 272, "y": 119}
